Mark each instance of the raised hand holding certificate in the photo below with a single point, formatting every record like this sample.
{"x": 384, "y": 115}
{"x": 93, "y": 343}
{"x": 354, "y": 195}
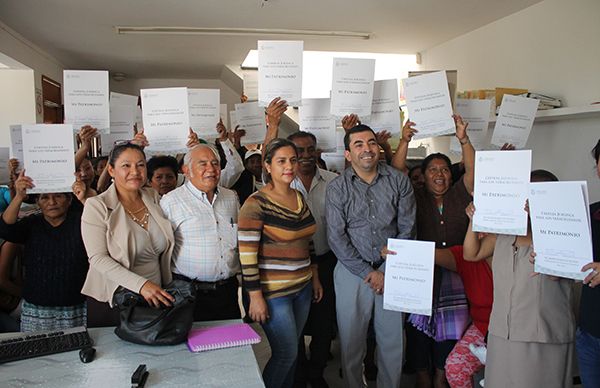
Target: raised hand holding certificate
{"x": 561, "y": 229}
{"x": 48, "y": 152}
{"x": 251, "y": 118}
{"x": 280, "y": 71}
{"x": 204, "y": 111}
{"x": 408, "y": 284}
{"x": 86, "y": 99}
{"x": 316, "y": 119}
{"x": 250, "y": 81}
{"x": 501, "y": 189}
{"x": 429, "y": 105}
{"x": 385, "y": 111}
{"x": 514, "y": 121}
{"x": 122, "y": 119}
{"x": 477, "y": 114}
{"x": 352, "y": 87}
{"x": 166, "y": 119}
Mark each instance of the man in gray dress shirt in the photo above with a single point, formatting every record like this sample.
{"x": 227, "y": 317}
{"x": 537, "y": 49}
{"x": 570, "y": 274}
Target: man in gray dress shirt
{"x": 369, "y": 203}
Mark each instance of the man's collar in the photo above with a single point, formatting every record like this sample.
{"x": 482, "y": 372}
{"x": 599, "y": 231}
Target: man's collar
{"x": 197, "y": 192}
{"x": 381, "y": 170}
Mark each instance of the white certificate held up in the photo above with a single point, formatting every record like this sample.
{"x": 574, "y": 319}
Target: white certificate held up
{"x": 16, "y": 144}
{"x": 280, "y": 71}
{"x": 477, "y": 114}
{"x": 315, "y": 117}
{"x": 561, "y": 228}
{"x": 48, "y": 151}
{"x": 166, "y": 119}
{"x": 352, "y": 87}
{"x": 408, "y": 285}
{"x": 251, "y": 118}
{"x": 123, "y": 99}
{"x": 385, "y": 111}
{"x": 250, "y": 80}
{"x": 501, "y": 189}
{"x": 86, "y": 99}
{"x": 4, "y": 173}
{"x": 515, "y": 120}
{"x": 205, "y": 110}
{"x": 429, "y": 105}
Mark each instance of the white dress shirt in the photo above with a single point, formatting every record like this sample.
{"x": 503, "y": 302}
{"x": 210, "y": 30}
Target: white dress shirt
{"x": 205, "y": 233}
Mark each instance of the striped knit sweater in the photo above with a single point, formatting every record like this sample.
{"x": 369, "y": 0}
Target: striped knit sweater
{"x": 275, "y": 245}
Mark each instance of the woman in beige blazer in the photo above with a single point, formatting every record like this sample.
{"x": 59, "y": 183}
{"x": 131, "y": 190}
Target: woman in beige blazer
{"x": 128, "y": 240}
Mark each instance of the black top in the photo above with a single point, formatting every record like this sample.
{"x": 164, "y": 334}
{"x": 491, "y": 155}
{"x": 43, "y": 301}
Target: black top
{"x": 590, "y": 297}
{"x": 54, "y": 258}
{"x": 244, "y": 186}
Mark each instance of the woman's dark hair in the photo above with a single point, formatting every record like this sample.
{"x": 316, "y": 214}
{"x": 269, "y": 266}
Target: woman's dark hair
{"x": 97, "y": 160}
{"x": 596, "y": 151}
{"x": 270, "y": 150}
{"x": 429, "y": 158}
{"x": 157, "y": 162}
{"x": 543, "y": 176}
{"x": 119, "y": 149}
{"x": 356, "y": 129}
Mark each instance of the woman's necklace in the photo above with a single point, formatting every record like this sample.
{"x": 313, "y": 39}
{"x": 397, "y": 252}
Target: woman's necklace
{"x": 143, "y": 221}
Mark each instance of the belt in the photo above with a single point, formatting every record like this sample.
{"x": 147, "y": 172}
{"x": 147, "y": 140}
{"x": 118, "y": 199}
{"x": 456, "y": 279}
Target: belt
{"x": 200, "y": 285}
{"x": 374, "y": 264}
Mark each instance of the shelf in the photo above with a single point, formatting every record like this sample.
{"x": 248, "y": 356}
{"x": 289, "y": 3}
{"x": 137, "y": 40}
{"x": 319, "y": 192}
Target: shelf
{"x": 570, "y": 112}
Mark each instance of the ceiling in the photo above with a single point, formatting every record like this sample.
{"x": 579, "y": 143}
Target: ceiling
{"x": 81, "y": 34}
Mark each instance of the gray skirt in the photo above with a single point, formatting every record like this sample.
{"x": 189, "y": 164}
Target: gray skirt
{"x": 514, "y": 364}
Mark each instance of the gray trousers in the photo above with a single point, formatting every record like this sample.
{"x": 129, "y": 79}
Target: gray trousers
{"x": 356, "y": 303}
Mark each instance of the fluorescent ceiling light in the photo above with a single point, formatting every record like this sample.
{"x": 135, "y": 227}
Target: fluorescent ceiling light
{"x": 239, "y": 31}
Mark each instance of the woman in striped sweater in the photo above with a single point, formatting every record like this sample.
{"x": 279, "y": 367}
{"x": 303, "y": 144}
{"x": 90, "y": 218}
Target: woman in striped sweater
{"x": 275, "y": 237}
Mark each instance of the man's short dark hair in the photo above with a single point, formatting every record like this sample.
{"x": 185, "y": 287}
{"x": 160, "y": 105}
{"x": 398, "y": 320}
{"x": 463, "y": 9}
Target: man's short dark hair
{"x": 157, "y": 162}
{"x": 301, "y": 134}
{"x": 543, "y": 176}
{"x": 356, "y": 129}
{"x": 596, "y": 151}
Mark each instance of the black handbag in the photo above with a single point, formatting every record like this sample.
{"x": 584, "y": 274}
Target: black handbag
{"x": 143, "y": 324}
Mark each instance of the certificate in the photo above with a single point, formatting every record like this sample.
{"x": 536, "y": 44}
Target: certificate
{"x": 280, "y": 71}
{"x": 122, "y": 118}
{"x": 204, "y": 110}
{"x": 561, "y": 229}
{"x": 123, "y": 99}
{"x": 224, "y": 115}
{"x": 16, "y": 144}
{"x": 166, "y": 119}
{"x": 48, "y": 151}
{"x": 501, "y": 189}
{"x": 408, "y": 285}
{"x": 428, "y": 103}
{"x": 86, "y": 99}
{"x": 352, "y": 87}
{"x": 4, "y": 173}
{"x": 315, "y": 117}
{"x": 385, "y": 111}
{"x": 477, "y": 114}
{"x": 335, "y": 162}
{"x": 233, "y": 119}
{"x": 514, "y": 121}
{"x": 250, "y": 79}
{"x": 251, "y": 118}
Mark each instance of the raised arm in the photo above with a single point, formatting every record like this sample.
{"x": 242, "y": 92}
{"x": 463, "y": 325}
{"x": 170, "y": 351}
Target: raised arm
{"x": 399, "y": 159}
{"x": 234, "y": 166}
{"x": 22, "y": 184}
{"x": 274, "y": 112}
{"x": 475, "y": 248}
{"x": 86, "y": 134}
{"x": 468, "y": 152}
{"x": 383, "y": 138}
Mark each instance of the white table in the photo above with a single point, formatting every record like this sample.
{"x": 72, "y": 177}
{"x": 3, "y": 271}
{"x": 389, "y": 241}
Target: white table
{"x": 116, "y": 360}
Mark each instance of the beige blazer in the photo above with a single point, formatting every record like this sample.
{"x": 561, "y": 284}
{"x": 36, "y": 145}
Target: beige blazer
{"x": 110, "y": 244}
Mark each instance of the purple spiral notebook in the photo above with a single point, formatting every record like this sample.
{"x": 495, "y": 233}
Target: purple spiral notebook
{"x": 219, "y": 337}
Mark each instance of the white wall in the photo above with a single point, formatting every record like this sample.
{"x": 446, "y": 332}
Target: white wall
{"x": 42, "y": 63}
{"x": 17, "y": 103}
{"x": 552, "y": 48}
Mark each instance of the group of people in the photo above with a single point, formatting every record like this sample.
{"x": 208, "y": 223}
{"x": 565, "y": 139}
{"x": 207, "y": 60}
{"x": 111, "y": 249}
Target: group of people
{"x": 310, "y": 246}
